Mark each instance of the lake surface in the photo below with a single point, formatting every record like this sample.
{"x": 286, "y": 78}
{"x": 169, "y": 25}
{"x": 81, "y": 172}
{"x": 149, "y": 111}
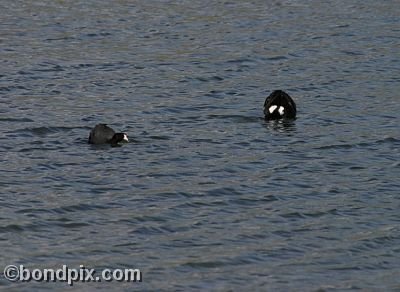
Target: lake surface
{"x": 207, "y": 195}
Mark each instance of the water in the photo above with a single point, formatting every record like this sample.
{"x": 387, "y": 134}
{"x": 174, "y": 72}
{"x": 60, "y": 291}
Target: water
{"x": 207, "y": 196}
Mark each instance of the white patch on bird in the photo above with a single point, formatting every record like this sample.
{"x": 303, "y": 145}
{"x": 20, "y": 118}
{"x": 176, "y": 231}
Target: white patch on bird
{"x": 281, "y": 110}
{"x": 125, "y": 138}
{"x": 272, "y": 108}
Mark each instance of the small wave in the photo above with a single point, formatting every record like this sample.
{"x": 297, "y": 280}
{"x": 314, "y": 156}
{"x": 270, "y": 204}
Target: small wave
{"x": 242, "y": 61}
{"x": 49, "y": 67}
{"x": 12, "y": 87}
{"x": 77, "y": 208}
{"x": 200, "y": 204}
{"x": 42, "y": 131}
{"x": 72, "y": 225}
{"x": 161, "y": 137}
{"x": 277, "y": 58}
{"x": 11, "y": 228}
{"x": 252, "y": 201}
{"x": 236, "y": 118}
{"x": 148, "y": 230}
{"x": 387, "y": 140}
{"x": 19, "y": 120}
{"x": 223, "y": 191}
{"x": 336, "y": 146}
{"x": 204, "y": 78}
{"x": 207, "y": 265}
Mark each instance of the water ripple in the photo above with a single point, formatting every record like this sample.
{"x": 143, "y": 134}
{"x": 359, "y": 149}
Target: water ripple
{"x": 208, "y": 195}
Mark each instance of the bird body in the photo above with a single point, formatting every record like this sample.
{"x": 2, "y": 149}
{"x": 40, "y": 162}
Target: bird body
{"x": 279, "y": 105}
{"x": 103, "y": 134}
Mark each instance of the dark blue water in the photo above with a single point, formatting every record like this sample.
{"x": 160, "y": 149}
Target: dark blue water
{"x": 207, "y": 195}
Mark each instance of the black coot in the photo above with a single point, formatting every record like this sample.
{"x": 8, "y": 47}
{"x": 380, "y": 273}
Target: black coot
{"x": 103, "y": 134}
{"x": 279, "y": 105}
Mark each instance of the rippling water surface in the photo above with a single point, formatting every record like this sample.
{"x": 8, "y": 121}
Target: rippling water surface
{"x": 207, "y": 196}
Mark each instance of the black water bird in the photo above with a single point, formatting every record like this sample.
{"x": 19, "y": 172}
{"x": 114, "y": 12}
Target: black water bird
{"x": 279, "y": 105}
{"x": 103, "y": 134}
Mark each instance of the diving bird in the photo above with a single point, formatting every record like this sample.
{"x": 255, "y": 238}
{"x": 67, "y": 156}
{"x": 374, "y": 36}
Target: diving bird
{"x": 279, "y": 105}
{"x": 103, "y": 134}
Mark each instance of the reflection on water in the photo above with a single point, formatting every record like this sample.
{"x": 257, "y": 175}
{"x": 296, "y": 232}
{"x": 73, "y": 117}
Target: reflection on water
{"x": 285, "y": 126}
